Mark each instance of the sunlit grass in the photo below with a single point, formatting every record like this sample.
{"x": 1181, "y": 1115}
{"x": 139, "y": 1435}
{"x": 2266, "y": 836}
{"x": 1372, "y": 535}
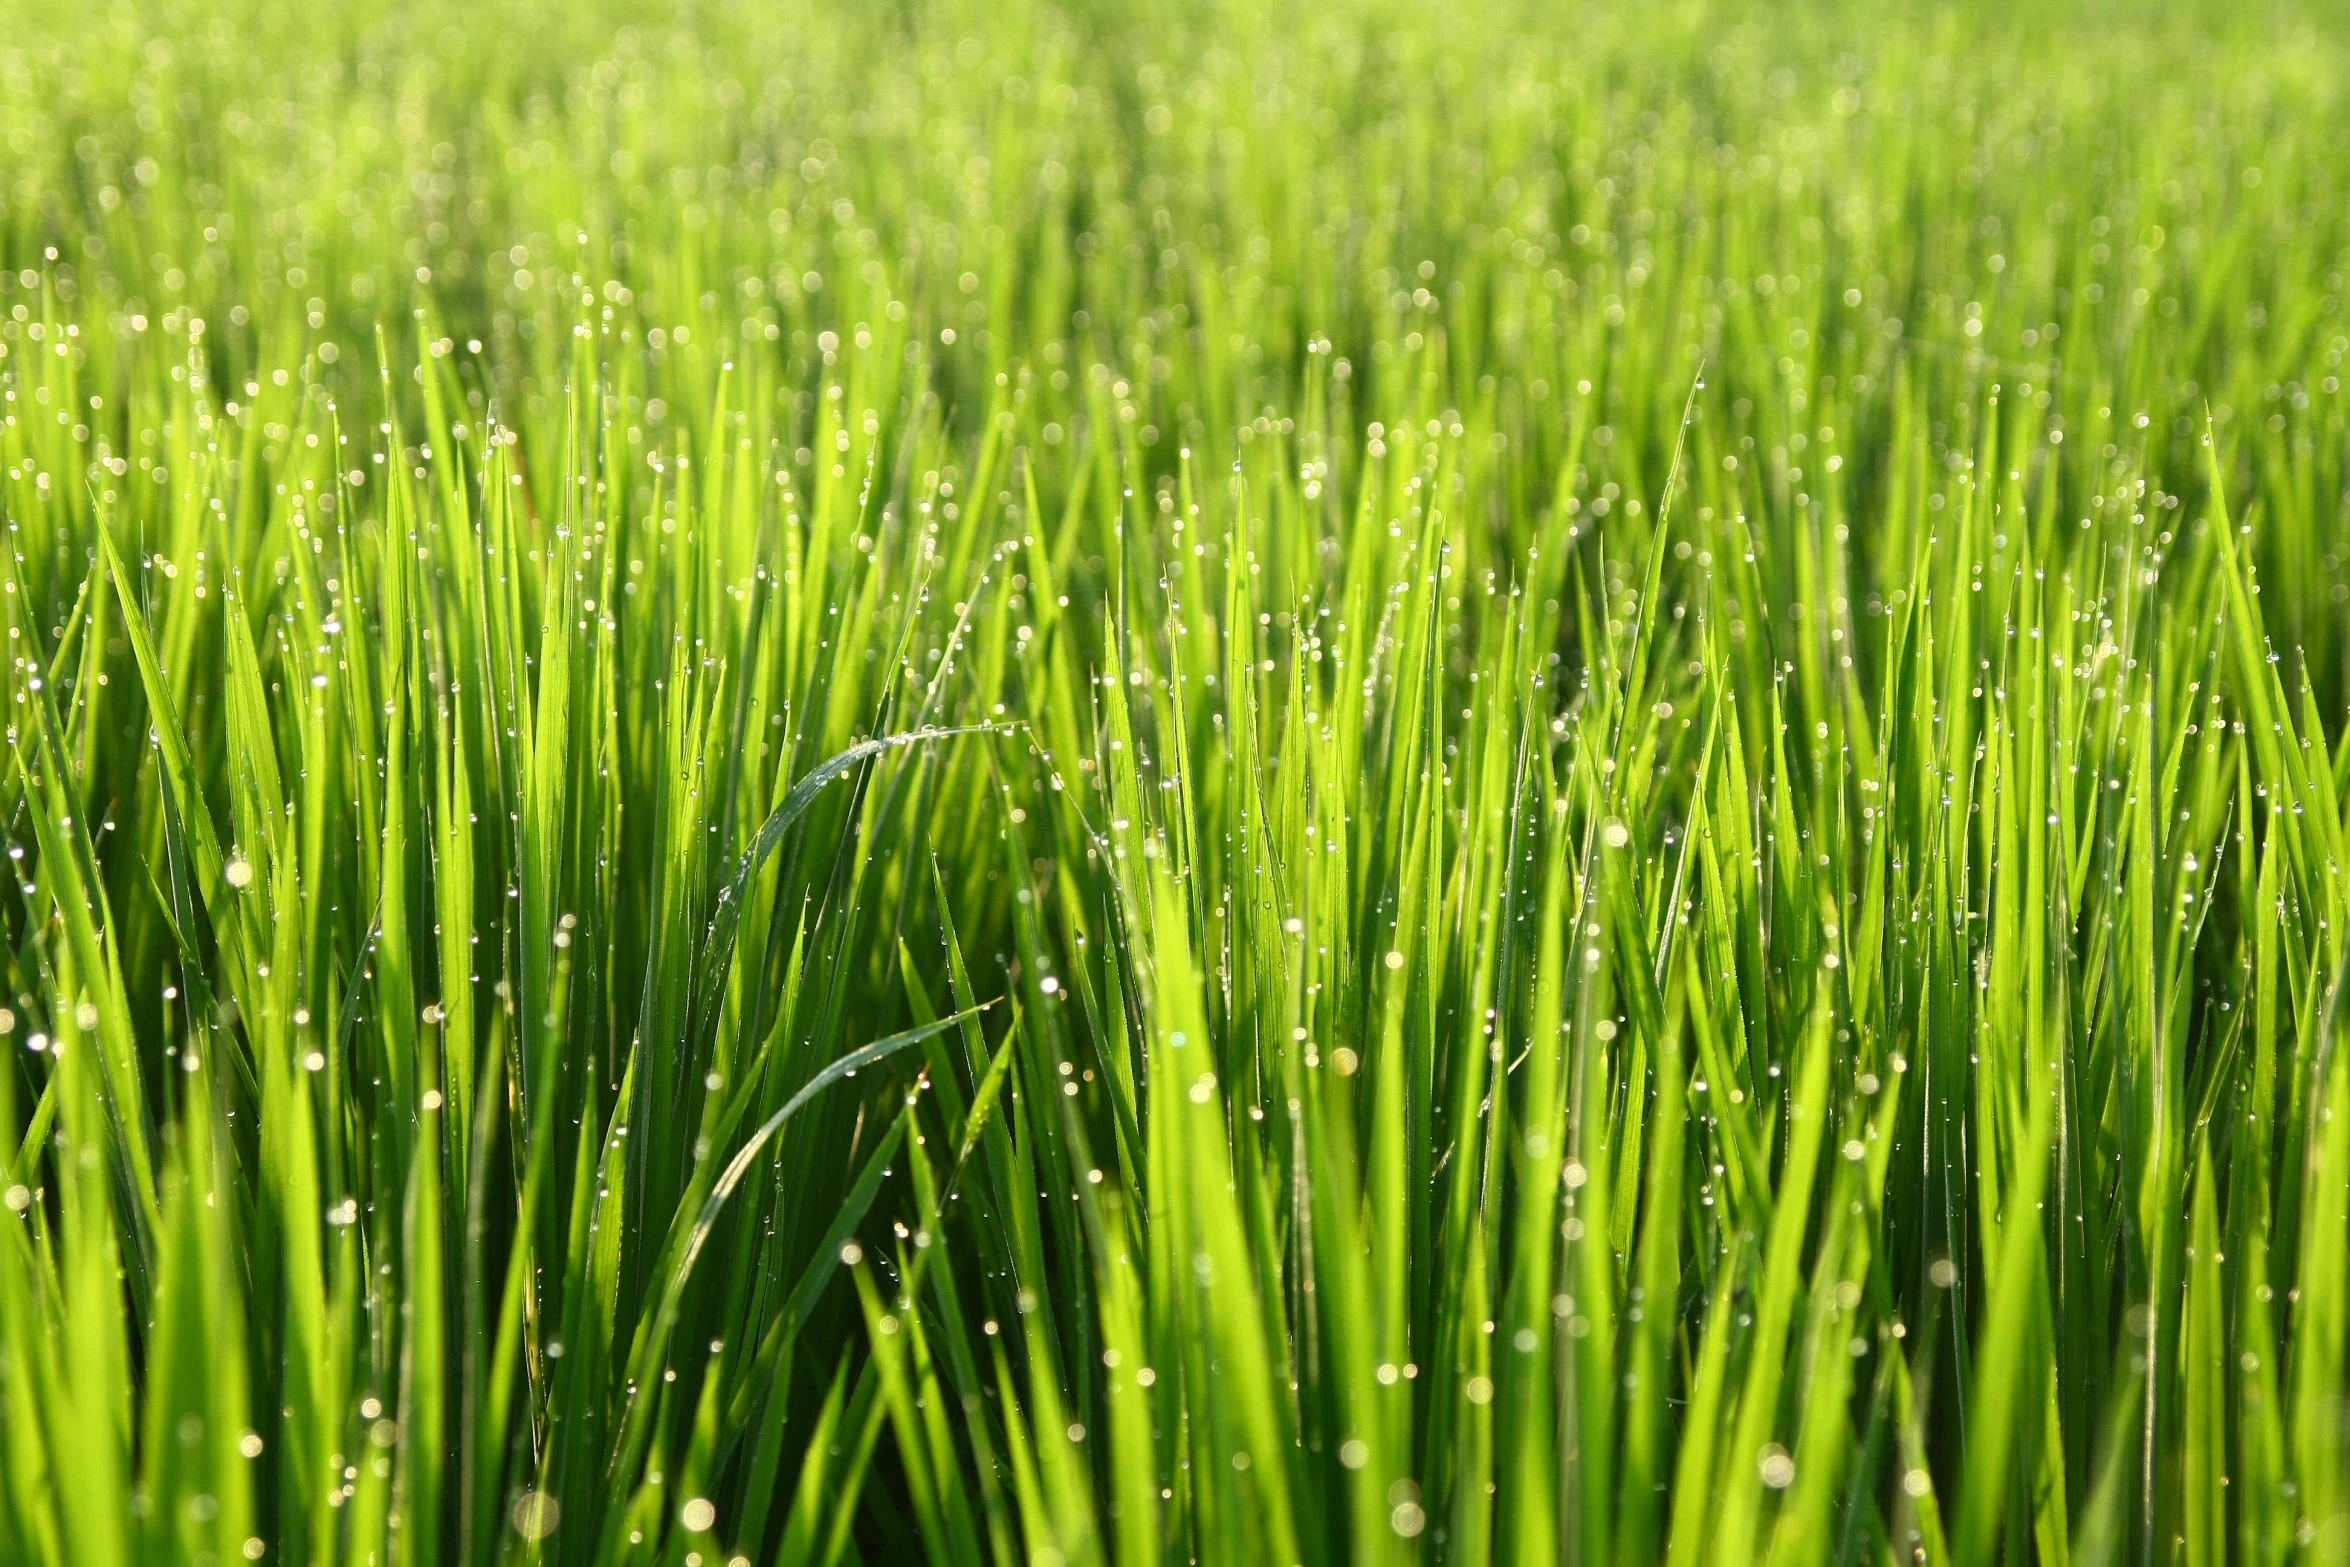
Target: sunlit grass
{"x": 1021, "y": 787}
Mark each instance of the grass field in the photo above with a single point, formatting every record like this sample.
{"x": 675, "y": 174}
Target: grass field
{"x": 1017, "y": 786}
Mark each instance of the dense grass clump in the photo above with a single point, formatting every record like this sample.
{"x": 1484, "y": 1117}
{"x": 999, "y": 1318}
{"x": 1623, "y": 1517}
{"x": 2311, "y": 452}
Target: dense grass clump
{"x": 1014, "y": 786}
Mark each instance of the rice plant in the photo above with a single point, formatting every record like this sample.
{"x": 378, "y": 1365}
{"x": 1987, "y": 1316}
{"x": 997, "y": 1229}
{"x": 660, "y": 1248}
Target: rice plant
{"x": 1048, "y": 785}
